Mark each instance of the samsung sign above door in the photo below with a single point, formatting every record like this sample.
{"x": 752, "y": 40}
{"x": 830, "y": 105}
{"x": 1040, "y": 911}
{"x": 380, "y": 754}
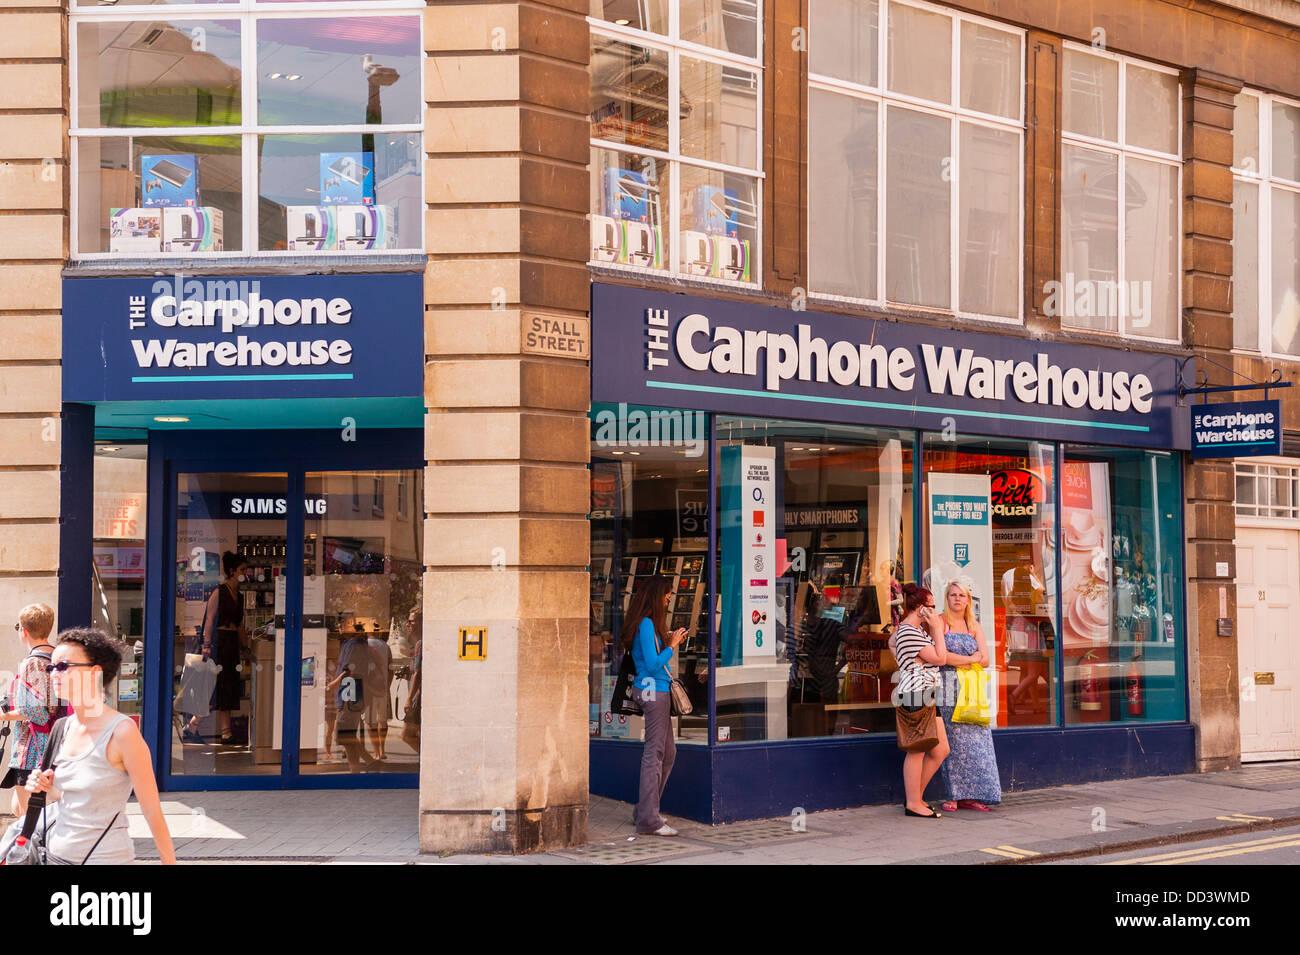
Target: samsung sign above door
{"x": 664, "y": 349}
{"x": 318, "y": 336}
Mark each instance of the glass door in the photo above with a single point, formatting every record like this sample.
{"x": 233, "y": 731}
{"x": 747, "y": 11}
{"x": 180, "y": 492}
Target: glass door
{"x": 231, "y": 581}
{"x": 361, "y": 658}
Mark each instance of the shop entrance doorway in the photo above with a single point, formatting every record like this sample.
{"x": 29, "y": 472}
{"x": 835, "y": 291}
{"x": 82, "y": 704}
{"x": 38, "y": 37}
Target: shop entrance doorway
{"x": 289, "y": 594}
{"x": 1268, "y": 641}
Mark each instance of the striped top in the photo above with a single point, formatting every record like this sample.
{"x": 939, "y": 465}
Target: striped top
{"x": 913, "y": 673}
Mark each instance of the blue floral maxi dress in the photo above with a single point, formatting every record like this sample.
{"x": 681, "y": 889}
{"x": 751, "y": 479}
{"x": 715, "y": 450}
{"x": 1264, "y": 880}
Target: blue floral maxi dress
{"x": 971, "y": 769}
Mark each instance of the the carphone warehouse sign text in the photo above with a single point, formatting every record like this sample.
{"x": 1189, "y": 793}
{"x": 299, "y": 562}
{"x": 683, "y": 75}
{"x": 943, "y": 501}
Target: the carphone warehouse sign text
{"x": 680, "y": 351}
{"x": 1237, "y": 429}
{"x": 314, "y": 336}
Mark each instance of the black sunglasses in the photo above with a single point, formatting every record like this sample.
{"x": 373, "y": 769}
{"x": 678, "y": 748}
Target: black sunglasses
{"x": 64, "y": 666}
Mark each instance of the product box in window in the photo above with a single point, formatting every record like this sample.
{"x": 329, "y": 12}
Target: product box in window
{"x": 625, "y": 242}
{"x": 712, "y": 210}
{"x": 364, "y": 227}
{"x": 201, "y": 229}
{"x": 311, "y": 228}
{"x": 135, "y": 230}
{"x": 347, "y": 179}
{"x": 169, "y": 181}
{"x": 626, "y": 195}
{"x": 716, "y": 256}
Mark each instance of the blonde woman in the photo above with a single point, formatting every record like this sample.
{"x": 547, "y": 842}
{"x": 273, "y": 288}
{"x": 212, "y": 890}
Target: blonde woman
{"x": 970, "y": 773}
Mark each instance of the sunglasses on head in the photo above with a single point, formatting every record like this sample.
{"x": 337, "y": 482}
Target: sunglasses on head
{"x": 64, "y": 666}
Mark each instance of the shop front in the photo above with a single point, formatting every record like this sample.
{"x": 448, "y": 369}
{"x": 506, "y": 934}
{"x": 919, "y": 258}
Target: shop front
{"x": 791, "y": 471}
{"x": 251, "y": 463}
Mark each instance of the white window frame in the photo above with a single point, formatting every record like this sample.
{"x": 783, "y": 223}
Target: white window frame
{"x": 246, "y": 13}
{"x": 675, "y": 49}
{"x": 1265, "y": 182}
{"x": 883, "y": 97}
{"x": 1287, "y": 469}
{"x": 1122, "y": 150}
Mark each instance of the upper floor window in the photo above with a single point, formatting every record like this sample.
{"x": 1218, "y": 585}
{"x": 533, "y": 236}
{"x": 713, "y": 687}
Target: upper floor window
{"x": 675, "y": 148}
{"x": 932, "y": 106}
{"x": 1266, "y": 224}
{"x": 1268, "y": 490}
{"x": 246, "y": 126}
{"x": 1120, "y": 187}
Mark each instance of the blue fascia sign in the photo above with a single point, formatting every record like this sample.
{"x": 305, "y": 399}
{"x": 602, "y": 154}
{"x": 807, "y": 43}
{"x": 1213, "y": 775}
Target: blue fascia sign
{"x": 1237, "y": 429}
{"x": 667, "y": 349}
{"x": 300, "y": 336}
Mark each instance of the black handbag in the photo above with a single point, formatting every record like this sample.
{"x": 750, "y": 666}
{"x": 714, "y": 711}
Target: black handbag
{"x": 621, "y": 702}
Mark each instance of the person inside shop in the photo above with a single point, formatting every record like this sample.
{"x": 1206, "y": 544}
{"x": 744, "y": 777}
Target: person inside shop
{"x": 644, "y": 634}
{"x": 411, "y": 714}
{"x": 225, "y": 639}
{"x": 918, "y": 646}
{"x": 378, "y": 705}
{"x": 357, "y": 675}
{"x": 970, "y": 773}
{"x": 824, "y": 645}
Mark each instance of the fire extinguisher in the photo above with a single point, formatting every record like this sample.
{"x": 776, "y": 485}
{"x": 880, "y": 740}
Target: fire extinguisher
{"x": 1089, "y": 685}
{"x": 1133, "y": 687}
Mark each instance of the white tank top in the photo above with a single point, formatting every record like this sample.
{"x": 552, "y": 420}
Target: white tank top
{"x": 93, "y": 791}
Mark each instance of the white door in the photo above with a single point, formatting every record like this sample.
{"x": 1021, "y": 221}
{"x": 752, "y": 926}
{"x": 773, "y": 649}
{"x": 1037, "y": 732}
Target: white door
{"x": 1268, "y": 641}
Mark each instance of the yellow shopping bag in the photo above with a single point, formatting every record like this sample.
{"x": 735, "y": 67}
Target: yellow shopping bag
{"x": 972, "y": 697}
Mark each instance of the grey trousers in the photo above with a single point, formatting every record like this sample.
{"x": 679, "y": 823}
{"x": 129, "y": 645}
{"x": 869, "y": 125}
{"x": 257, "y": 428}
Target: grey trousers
{"x": 657, "y": 757}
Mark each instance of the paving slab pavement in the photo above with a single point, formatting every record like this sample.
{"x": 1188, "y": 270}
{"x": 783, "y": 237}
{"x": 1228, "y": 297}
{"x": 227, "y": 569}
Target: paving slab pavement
{"x": 380, "y": 826}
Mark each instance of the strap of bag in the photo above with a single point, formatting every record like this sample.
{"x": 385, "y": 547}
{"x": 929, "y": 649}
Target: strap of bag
{"x": 658, "y": 649}
{"x": 101, "y": 836}
{"x": 37, "y": 803}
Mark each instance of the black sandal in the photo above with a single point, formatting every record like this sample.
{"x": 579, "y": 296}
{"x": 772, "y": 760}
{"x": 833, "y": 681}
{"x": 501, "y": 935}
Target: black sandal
{"x": 921, "y": 815}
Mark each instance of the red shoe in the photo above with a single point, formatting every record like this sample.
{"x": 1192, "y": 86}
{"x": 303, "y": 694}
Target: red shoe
{"x": 973, "y": 804}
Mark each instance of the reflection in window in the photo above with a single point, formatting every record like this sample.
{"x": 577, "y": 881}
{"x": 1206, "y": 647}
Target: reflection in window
{"x": 337, "y": 71}
{"x": 629, "y": 94}
{"x": 1119, "y": 279}
{"x": 719, "y": 217}
{"x": 844, "y": 40}
{"x": 719, "y": 108}
{"x": 842, "y": 194}
{"x": 167, "y": 186}
{"x": 1090, "y": 102}
{"x": 649, "y": 15}
{"x": 920, "y": 53}
{"x": 634, "y": 194}
{"x": 802, "y": 644}
{"x": 649, "y": 515}
{"x": 1245, "y": 271}
{"x": 628, "y": 203}
{"x": 158, "y": 73}
{"x": 1266, "y": 276}
{"x": 990, "y": 70}
{"x": 362, "y": 643}
{"x": 990, "y": 221}
{"x": 1089, "y": 236}
{"x": 1006, "y": 558}
{"x": 1121, "y": 586}
{"x": 928, "y": 177}
{"x": 917, "y": 208}
{"x": 119, "y": 180}
{"x": 729, "y": 25}
{"x": 383, "y": 167}
{"x": 117, "y": 598}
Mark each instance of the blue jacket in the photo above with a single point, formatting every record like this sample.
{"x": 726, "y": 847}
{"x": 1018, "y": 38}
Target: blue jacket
{"x": 650, "y": 663}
